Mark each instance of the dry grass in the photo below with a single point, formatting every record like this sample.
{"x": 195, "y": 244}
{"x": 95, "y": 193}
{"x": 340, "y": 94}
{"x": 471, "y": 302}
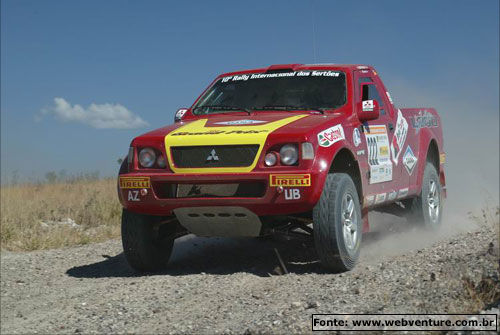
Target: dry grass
{"x": 93, "y": 205}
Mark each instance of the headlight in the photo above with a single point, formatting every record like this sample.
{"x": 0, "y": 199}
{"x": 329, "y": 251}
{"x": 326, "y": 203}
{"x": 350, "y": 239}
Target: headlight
{"x": 270, "y": 159}
{"x": 289, "y": 154}
{"x": 147, "y": 157}
{"x": 161, "y": 161}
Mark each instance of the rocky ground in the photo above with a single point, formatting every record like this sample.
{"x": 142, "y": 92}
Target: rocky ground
{"x": 234, "y": 286}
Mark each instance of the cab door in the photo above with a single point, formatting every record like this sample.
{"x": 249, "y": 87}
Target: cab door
{"x": 377, "y": 135}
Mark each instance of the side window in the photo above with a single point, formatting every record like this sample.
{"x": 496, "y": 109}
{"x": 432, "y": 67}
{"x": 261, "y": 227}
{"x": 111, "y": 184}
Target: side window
{"x": 370, "y": 92}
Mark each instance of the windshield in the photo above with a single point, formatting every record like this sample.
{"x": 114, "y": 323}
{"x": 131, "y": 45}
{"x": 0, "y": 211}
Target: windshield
{"x": 300, "y": 90}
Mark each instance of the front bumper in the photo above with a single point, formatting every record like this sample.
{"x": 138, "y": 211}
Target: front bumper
{"x": 275, "y": 200}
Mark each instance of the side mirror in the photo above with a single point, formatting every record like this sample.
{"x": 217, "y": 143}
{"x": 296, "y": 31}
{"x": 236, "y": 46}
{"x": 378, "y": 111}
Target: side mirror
{"x": 179, "y": 114}
{"x": 368, "y": 110}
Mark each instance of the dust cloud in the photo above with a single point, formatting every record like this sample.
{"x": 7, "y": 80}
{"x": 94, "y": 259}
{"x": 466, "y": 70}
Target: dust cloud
{"x": 471, "y": 142}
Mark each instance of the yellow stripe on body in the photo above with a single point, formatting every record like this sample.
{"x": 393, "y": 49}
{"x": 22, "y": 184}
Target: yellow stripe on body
{"x": 196, "y": 134}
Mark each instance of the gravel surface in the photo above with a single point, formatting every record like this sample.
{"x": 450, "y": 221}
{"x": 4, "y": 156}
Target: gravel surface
{"x": 233, "y": 286}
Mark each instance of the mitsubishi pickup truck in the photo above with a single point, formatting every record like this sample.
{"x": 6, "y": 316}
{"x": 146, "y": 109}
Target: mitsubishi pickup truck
{"x": 297, "y": 149}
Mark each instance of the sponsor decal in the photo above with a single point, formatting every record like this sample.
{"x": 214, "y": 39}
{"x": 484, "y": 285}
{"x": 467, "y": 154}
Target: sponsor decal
{"x": 424, "y": 119}
{"x": 384, "y": 150}
{"x": 409, "y": 160}
{"x": 290, "y": 180}
{"x": 380, "y": 198}
{"x": 331, "y": 135}
{"x": 356, "y": 137}
{"x": 367, "y": 105}
{"x": 442, "y": 158}
{"x": 133, "y": 196}
{"x": 245, "y": 77}
{"x": 379, "y": 160}
{"x": 389, "y": 97}
{"x": 292, "y": 194}
{"x": 239, "y": 122}
{"x": 369, "y": 199}
{"x": 392, "y": 195}
{"x": 403, "y": 193}
{"x": 180, "y": 113}
{"x": 399, "y": 137}
{"x": 380, "y": 173}
{"x": 360, "y": 152}
{"x": 134, "y": 182}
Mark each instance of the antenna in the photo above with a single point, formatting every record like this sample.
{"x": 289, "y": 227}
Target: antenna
{"x": 313, "y": 16}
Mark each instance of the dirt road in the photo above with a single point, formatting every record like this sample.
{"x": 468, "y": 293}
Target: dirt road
{"x": 228, "y": 286}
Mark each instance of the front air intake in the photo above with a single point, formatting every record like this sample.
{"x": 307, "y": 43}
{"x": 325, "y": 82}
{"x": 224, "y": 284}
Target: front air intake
{"x": 214, "y": 156}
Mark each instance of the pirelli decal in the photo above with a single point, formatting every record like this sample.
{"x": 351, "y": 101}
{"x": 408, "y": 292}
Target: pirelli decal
{"x": 290, "y": 180}
{"x": 134, "y": 182}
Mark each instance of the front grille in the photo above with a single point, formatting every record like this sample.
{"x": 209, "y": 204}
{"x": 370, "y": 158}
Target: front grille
{"x": 214, "y": 156}
{"x": 166, "y": 190}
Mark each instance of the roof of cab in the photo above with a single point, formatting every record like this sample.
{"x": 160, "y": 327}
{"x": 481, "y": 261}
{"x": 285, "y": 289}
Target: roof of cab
{"x": 298, "y": 67}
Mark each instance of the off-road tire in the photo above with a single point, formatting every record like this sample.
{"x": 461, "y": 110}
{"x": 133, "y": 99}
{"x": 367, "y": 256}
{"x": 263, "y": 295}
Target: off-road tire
{"x": 328, "y": 226}
{"x": 147, "y": 241}
{"x": 418, "y": 208}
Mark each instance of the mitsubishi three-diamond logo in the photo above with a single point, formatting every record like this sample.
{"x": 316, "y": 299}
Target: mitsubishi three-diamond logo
{"x": 213, "y": 156}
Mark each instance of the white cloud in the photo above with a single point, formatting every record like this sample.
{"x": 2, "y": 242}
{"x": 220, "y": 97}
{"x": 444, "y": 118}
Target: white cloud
{"x": 103, "y": 116}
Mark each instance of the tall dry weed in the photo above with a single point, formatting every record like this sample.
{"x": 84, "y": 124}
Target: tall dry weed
{"x": 31, "y": 214}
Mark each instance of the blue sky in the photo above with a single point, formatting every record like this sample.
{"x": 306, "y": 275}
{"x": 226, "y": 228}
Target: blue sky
{"x": 152, "y": 57}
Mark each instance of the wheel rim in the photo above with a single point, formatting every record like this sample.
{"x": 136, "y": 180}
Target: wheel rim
{"x": 349, "y": 222}
{"x": 433, "y": 201}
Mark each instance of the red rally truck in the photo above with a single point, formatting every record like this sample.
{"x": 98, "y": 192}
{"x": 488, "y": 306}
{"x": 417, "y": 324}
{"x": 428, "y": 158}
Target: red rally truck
{"x": 289, "y": 148}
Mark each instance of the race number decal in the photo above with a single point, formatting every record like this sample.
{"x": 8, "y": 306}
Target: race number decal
{"x": 379, "y": 159}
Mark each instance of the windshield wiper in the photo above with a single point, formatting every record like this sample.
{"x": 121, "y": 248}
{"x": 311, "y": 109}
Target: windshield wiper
{"x": 224, "y": 108}
{"x": 290, "y": 108}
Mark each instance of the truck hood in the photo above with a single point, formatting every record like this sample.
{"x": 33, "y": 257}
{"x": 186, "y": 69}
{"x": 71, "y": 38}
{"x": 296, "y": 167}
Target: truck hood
{"x": 270, "y": 121}
{"x": 216, "y": 130}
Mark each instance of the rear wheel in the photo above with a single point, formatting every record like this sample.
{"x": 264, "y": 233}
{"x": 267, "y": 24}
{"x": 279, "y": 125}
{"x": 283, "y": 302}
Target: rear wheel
{"x": 147, "y": 241}
{"x": 427, "y": 208}
{"x": 337, "y": 226}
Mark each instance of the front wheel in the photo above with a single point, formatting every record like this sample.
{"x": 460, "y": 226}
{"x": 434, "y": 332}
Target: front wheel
{"x": 147, "y": 241}
{"x": 337, "y": 226}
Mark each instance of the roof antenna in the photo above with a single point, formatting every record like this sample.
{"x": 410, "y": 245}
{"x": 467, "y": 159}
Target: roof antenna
{"x": 313, "y": 30}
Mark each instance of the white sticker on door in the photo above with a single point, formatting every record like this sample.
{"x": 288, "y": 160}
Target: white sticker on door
{"x": 399, "y": 137}
{"x": 379, "y": 159}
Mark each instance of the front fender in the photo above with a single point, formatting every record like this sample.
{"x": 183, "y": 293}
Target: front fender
{"x": 326, "y": 157}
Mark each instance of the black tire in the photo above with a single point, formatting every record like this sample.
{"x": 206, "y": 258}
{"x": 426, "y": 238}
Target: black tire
{"x": 328, "y": 227}
{"x": 147, "y": 241}
{"x": 419, "y": 208}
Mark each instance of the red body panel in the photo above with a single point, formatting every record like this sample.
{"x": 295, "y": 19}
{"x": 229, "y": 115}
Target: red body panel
{"x": 395, "y": 178}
